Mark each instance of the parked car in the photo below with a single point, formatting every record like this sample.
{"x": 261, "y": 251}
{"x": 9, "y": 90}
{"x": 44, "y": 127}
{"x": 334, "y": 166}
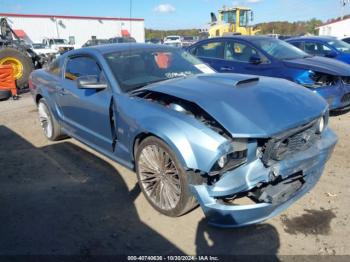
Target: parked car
{"x": 346, "y": 39}
{"x": 120, "y": 40}
{"x": 155, "y": 41}
{"x": 41, "y": 49}
{"x": 188, "y": 41}
{"x": 93, "y": 42}
{"x": 323, "y": 46}
{"x": 60, "y": 45}
{"x": 173, "y": 40}
{"x": 212, "y": 138}
{"x": 261, "y": 55}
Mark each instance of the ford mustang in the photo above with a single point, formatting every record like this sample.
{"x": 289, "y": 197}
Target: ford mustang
{"x": 242, "y": 147}
{"x": 266, "y": 56}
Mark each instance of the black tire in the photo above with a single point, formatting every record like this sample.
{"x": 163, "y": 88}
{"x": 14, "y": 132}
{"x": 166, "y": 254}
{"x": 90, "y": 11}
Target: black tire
{"x": 5, "y": 94}
{"x": 25, "y": 60}
{"x": 186, "y": 201}
{"x": 55, "y": 133}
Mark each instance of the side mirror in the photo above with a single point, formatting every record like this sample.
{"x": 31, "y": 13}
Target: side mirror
{"x": 90, "y": 82}
{"x": 330, "y": 54}
{"x": 255, "y": 59}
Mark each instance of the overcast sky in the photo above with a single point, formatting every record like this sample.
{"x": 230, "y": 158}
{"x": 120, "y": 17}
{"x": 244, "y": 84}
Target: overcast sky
{"x": 173, "y": 14}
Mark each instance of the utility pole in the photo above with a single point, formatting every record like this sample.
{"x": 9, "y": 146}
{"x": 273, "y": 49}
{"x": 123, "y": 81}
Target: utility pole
{"x": 343, "y": 5}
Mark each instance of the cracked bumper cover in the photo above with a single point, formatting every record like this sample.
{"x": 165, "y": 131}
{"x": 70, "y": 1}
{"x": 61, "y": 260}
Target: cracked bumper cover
{"x": 311, "y": 162}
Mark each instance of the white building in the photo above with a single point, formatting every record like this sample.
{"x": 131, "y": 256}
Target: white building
{"x": 338, "y": 29}
{"x": 76, "y": 29}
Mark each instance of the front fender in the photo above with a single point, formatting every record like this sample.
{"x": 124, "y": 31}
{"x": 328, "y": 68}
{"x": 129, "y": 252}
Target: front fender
{"x": 196, "y": 145}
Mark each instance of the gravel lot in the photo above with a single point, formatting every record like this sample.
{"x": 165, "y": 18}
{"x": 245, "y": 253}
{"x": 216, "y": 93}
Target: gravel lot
{"x": 63, "y": 198}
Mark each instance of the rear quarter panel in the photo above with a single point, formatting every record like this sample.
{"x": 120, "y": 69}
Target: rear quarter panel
{"x": 44, "y": 84}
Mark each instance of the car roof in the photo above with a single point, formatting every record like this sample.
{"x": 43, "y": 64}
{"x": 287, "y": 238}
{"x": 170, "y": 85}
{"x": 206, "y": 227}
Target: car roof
{"x": 242, "y": 37}
{"x": 110, "y": 48}
{"x": 321, "y": 38}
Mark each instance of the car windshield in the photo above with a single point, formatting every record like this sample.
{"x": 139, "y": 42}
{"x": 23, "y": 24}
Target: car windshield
{"x": 134, "y": 69}
{"x": 188, "y": 38}
{"x": 341, "y": 46}
{"x": 173, "y": 38}
{"x": 279, "y": 49}
{"x": 60, "y": 41}
{"x": 39, "y": 46}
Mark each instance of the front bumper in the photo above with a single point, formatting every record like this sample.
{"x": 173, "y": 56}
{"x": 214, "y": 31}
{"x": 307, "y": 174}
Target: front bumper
{"x": 336, "y": 96}
{"x": 310, "y": 162}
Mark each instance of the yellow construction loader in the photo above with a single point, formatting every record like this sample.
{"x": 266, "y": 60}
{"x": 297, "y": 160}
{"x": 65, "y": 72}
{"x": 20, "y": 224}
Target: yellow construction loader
{"x": 232, "y": 20}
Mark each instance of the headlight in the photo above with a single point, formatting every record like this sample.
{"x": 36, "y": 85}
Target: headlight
{"x": 322, "y": 123}
{"x": 222, "y": 161}
{"x": 233, "y": 159}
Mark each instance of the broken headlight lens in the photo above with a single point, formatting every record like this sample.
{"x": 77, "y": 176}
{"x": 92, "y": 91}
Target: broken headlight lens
{"x": 231, "y": 160}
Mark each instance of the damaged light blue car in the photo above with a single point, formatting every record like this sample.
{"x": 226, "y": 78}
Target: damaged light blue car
{"x": 242, "y": 147}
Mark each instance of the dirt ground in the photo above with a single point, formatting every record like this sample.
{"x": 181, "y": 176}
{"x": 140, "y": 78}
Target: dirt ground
{"x": 63, "y": 198}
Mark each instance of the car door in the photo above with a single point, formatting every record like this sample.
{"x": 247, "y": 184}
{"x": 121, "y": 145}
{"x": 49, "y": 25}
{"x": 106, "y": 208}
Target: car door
{"x": 246, "y": 59}
{"x": 317, "y": 48}
{"x": 86, "y": 112}
{"x": 298, "y": 44}
{"x": 212, "y": 53}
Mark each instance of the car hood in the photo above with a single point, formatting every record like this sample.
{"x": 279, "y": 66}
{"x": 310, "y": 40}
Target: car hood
{"x": 320, "y": 64}
{"x": 247, "y": 106}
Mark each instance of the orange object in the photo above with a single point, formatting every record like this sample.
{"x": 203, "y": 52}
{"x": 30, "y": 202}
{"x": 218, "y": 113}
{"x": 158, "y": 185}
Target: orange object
{"x": 163, "y": 60}
{"x": 7, "y": 80}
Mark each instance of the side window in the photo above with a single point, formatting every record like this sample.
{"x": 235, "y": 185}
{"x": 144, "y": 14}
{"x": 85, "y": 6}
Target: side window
{"x": 316, "y": 48}
{"x": 239, "y": 52}
{"x": 210, "y": 50}
{"x": 299, "y": 45}
{"x": 51, "y": 42}
{"x": 54, "y": 68}
{"x": 82, "y": 66}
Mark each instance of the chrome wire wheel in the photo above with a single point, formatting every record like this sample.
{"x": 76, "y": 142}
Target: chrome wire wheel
{"x": 45, "y": 120}
{"x": 159, "y": 177}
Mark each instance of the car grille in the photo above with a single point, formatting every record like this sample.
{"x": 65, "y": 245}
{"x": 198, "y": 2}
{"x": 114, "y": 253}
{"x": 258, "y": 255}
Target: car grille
{"x": 288, "y": 143}
{"x": 345, "y": 98}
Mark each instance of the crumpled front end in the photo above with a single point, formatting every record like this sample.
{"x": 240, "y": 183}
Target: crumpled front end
{"x": 337, "y": 96}
{"x": 334, "y": 89}
{"x": 270, "y": 187}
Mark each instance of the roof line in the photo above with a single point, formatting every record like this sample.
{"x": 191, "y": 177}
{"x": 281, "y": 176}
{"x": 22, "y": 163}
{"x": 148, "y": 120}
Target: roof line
{"x": 333, "y": 22}
{"x": 70, "y": 17}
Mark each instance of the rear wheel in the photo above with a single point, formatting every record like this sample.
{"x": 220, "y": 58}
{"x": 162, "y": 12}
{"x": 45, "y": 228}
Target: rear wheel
{"x": 50, "y": 126}
{"x": 21, "y": 63}
{"x": 162, "y": 179}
